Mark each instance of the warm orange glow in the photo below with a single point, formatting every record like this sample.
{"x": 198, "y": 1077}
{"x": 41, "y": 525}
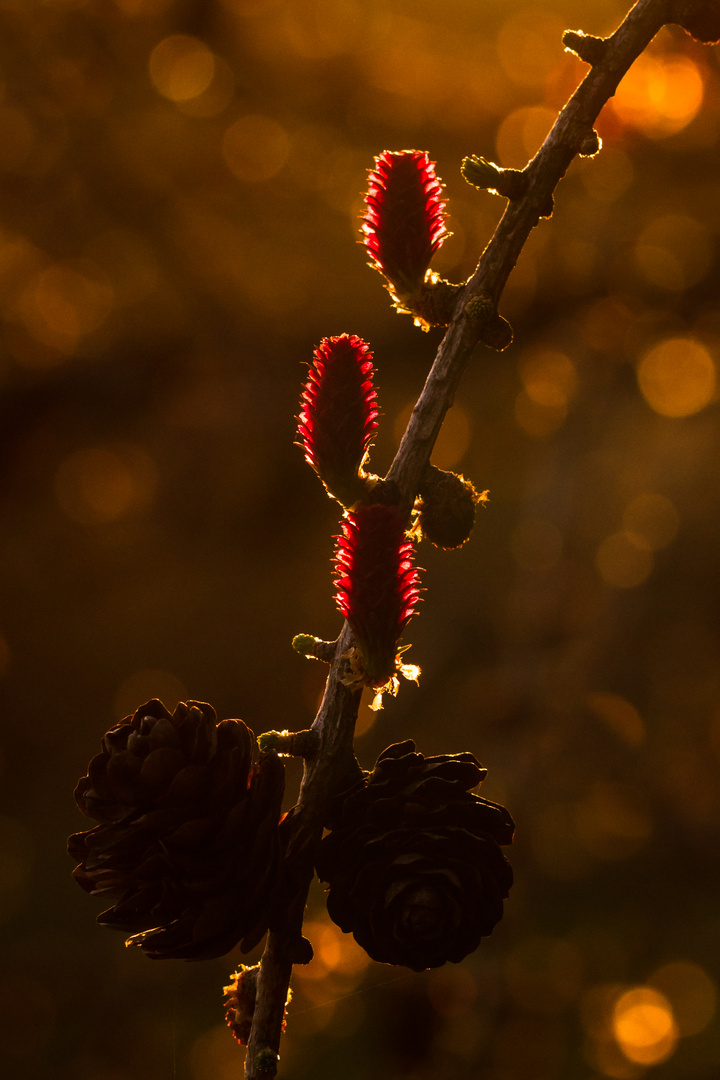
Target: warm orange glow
{"x": 527, "y": 46}
{"x": 521, "y": 135}
{"x": 334, "y": 953}
{"x": 320, "y": 28}
{"x": 255, "y": 147}
{"x": 549, "y": 377}
{"x": 104, "y": 483}
{"x": 65, "y": 302}
{"x": 674, "y": 252}
{"x": 619, "y": 715}
{"x": 217, "y": 95}
{"x": 659, "y": 95}
{"x": 143, "y": 7}
{"x": 18, "y": 138}
{"x": 652, "y": 519}
{"x": 607, "y": 176}
{"x": 677, "y": 377}
{"x": 644, "y": 1026}
{"x": 621, "y": 562}
{"x": 691, "y": 992}
{"x": 181, "y": 67}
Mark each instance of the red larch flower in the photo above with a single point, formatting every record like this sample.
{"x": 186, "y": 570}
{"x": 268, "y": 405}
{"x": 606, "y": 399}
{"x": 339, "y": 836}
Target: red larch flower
{"x": 404, "y": 224}
{"x": 338, "y": 414}
{"x": 377, "y": 591}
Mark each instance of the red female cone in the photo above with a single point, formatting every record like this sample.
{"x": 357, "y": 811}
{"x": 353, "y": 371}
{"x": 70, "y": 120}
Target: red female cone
{"x": 404, "y": 224}
{"x": 377, "y": 589}
{"x": 338, "y": 415}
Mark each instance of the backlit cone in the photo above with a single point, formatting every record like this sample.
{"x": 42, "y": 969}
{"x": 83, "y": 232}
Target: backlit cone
{"x": 187, "y": 846}
{"x": 413, "y": 861}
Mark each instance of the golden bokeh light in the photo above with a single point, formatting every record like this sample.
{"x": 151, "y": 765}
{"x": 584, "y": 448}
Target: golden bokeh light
{"x": 255, "y": 147}
{"x": 65, "y": 302}
{"x": 334, "y": 952}
{"x": 216, "y": 96}
{"x": 101, "y": 484}
{"x": 644, "y": 1026}
{"x": 674, "y": 251}
{"x": 659, "y": 96}
{"x": 607, "y": 176}
{"x": 596, "y": 1005}
{"x": 181, "y": 67}
{"x": 618, "y": 715}
{"x": 527, "y": 46}
{"x": 622, "y": 562}
{"x": 677, "y": 377}
{"x": 522, "y": 133}
{"x": 652, "y": 519}
{"x": 549, "y": 377}
{"x": 691, "y": 992}
{"x": 317, "y": 29}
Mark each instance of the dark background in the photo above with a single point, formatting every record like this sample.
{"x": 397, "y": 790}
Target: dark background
{"x": 178, "y": 229}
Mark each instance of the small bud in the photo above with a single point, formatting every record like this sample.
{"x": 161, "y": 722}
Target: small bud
{"x": 338, "y": 415}
{"x": 588, "y": 48}
{"x": 495, "y": 332}
{"x": 446, "y": 508}
{"x": 301, "y": 952}
{"x": 266, "y": 1061}
{"x": 479, "y": 173}
{"x": 404, "y": 224}
{"x": 314, "y": 647}
{"x": 591, "y": 145}
{"x": 377, "y": 589}
{"x": 289, "y": 743}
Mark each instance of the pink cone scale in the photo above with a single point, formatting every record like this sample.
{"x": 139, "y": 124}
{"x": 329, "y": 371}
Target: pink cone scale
{"x": 338, "y": 414}
{"x": 377, "y": 587}
{"x": 404, "y": 225}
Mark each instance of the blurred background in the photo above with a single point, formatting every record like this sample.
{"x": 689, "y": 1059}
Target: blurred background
{"x": 180, "y": 185}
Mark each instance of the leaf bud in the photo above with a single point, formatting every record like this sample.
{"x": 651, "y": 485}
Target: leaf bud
{"x": 480, "y": 173}
{"x": 589, "y": 48}
{"x": 446, "y": 508}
